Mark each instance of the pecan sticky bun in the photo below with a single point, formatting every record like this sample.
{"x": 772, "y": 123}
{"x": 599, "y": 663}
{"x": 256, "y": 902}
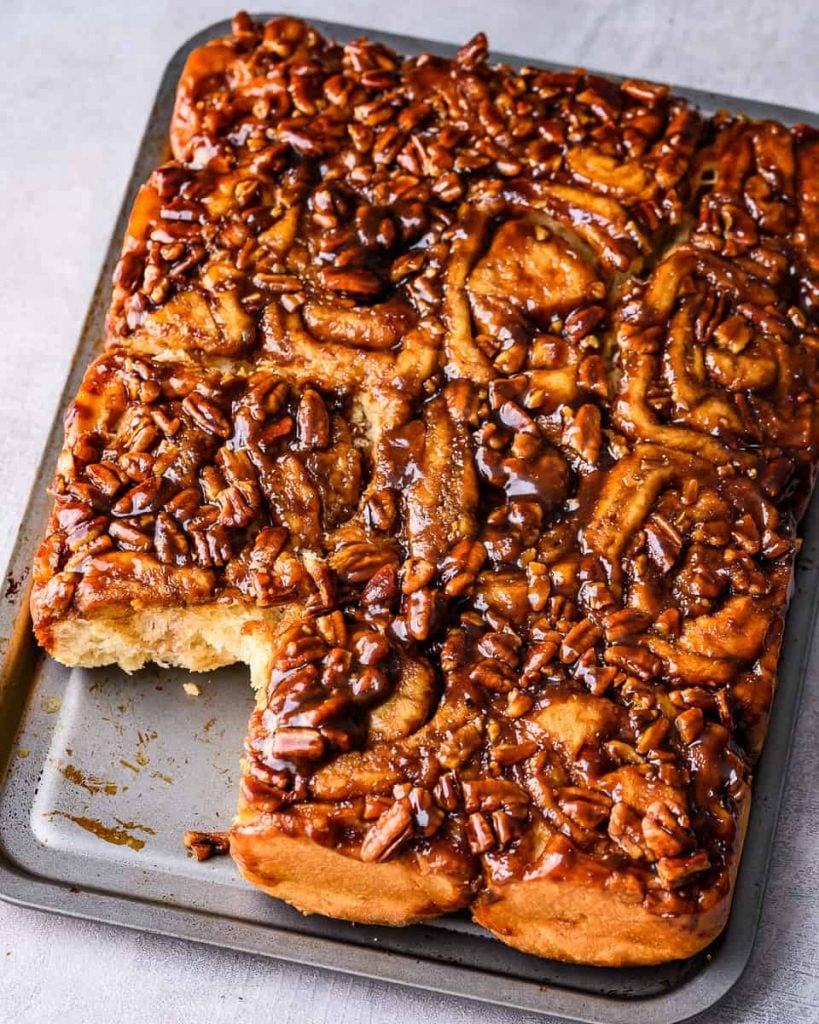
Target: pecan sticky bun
{"x": 475, "y": 410}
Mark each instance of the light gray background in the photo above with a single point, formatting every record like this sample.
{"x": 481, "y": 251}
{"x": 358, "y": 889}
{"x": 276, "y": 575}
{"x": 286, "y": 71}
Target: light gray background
{"x": 76, "y": 84}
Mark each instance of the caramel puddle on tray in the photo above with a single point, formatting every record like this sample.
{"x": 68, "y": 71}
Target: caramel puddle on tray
{"x": 109, "y": 833}
{"x": 90, "y": 783}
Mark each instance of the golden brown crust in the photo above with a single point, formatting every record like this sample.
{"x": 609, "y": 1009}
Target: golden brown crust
{"x": 408, "y": 888}
{"x": 475, "y": 410}
{"x": 574, "y": 919}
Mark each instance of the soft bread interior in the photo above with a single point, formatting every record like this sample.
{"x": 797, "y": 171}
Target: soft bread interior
{"x": 199, "y": 638}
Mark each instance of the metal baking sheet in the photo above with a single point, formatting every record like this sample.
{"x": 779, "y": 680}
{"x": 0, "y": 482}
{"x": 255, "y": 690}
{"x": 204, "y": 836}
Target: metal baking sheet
{"x": 103, "y": 772}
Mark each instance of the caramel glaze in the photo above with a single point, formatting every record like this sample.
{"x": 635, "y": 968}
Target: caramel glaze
{"x": 507, "y": 379}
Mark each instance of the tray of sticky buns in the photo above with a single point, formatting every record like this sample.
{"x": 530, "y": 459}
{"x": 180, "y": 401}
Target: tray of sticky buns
{"x": 474, "y": 406}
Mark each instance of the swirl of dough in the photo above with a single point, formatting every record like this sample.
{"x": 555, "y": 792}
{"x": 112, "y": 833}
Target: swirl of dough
{"x": 521, "y": 295}
{"x": 338, "y": 686}
{"x": 710, "y": 364}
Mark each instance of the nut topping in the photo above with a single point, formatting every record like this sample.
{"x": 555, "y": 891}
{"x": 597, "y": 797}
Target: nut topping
{"x": 667, "y": 832}
{"x": 391, "y": 829}
{"x": 405, "y": 386}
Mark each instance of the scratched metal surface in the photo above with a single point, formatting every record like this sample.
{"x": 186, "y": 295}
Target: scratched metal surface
{"x": 106, "y": 772}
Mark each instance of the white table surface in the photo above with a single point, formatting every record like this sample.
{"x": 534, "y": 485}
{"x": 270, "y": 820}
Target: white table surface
{"x": 76, "y": 83}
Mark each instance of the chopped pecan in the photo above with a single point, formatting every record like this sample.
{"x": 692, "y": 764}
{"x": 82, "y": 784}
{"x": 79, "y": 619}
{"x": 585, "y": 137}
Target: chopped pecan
{"x": 493, "y": 675}
{"x": 207, "y": 415}
{"x": 541, "y": 655}
{"x": 382, "y": 588}
{"x": 676, "y": 871}
{"x": 637, "y": 660}
{"x": 667, "y": 830}
{"x": 447, "y": 792}
{"x": 746, "y": 534}
{"x": 491, "y": 794}
{"x": 370, "y": 685}
{"x": 622, "y": 752}
{"x": 382, "y": 509}
{"x": 416, "y": 573}
{"x": 513, "y": 753}
{"x": 502, "y": 647}
{"x": 371, "y": 648}
{"x": 582, "y": 322}
{"x": 690, "y": 724}
{"x": 518, "y": 703}
{"x": 170, "y": 542}
{"x": 238, "y": 504}
{"x": 664, "y": 542}
{"x": 479, "y": 833}
{"x": 505, "y": 827}
{"x": 624, "y": 623}
{"x": 358, "y": 561}
{"x": 582, "y": 432}
{"x": 144, "y": 497}
{"x": 387, "y": 834}
{"x": 539, "y": 585}
{"x": 127, "y": 535}
{"x": 266, "y": 547}
{"x": 582, "y": 636}
{"x": 586, "y": 807}
{"x": 653, "y": 735}
{"x": 426, "y": 816}
{"x": 313, "y": 421}
{"x": 354, "y": 282}
{"x": 106, "y": 477}
{"x": 625, "y": 829}
{"x": 332, "y": 628}
{"x": 460, "y": 567}
{"x": 667, "y": 622}
{"x": 374, "y": 806}
{"x": 207, "y": 844}
{"x": 459, "y": 746}
{"x": 299, "y": 744}
{"x": 423, "y": 613}
{"x": 185, "y": 504}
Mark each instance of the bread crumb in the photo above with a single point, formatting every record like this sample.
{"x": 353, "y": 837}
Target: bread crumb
{"x": 191, "y": 689}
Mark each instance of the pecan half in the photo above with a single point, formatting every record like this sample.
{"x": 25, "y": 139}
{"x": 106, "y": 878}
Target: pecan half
{"x": 387, "y": 834}
{"x": 313, "y": 421}
{"x": 625, "y": 829}
{"x": 667, "y": 830}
